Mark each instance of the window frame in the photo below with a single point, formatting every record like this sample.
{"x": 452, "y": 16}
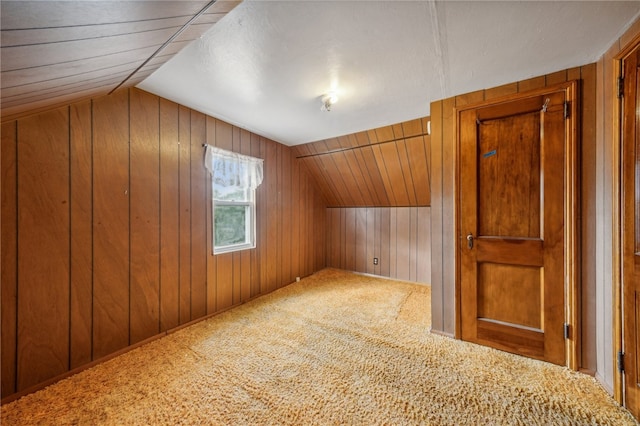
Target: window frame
{"x": 250, "y": 227}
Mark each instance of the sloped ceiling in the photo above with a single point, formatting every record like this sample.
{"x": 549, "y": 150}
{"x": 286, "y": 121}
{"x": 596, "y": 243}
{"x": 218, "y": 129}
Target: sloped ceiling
{"x": 57, "y": 52}
{"x": 266, "y": 66}
{"x": 387, "y": 166}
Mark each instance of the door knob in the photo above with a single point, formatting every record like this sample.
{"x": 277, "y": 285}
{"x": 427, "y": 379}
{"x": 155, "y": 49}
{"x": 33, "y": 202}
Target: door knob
{"x": 470, "y": 241}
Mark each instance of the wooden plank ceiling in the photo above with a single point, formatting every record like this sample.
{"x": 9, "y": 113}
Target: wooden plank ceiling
{"x": 58, "y": 52}
{"x": 383, "y": 167}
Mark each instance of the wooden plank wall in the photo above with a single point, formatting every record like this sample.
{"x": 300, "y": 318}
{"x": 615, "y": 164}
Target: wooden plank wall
{"x": 443, "y": 205}
{"x": 398, "y": 237}
{"x": 383, "y": 167}
{"x": 377, "y": 186}
{"x": 605, "y": 252}
{"x": 58, "y": 52}
{"x": 106, "y": 230}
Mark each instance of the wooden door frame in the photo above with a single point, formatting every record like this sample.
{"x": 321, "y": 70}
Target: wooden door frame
{"x": 618, "y": 211}
{"x": 572, "y": 289}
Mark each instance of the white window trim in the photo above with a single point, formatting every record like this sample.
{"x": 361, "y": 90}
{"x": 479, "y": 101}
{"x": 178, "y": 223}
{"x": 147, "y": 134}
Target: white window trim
{"x": 253, "y": 180}
{"x": 250, "y": 227}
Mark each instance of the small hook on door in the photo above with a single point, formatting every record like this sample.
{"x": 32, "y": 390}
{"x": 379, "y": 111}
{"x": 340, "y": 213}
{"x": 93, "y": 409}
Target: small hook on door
{"x": 545, "y": 105}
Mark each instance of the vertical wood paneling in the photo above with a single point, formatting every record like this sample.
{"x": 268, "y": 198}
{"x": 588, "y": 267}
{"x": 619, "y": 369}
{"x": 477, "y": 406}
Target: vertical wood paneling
{"x": 198, "y": 217}
{"x": 8, "y": 249}
{"x": 110, "y": 224}
{"x": 260, "y": 227}
{"x": 212, "y": 261}
{"x": 284, "y": 188}
{"x": 318, "y": 225}
{"x": 343, "y": 247}
{"x": 361, "y": 240}
{"x": 377, "y": 238}
{"x": 246, "y": 256}
{"x": 393, "y": 242}
{"x": 262, "y": 211}
{"x": 296, "y": 205}
{"x": 437, "y": 302}
{"x": 224, "y": 278}
{"x": 277, "y": 249}
{"x": 43, "y": 247}
{"x": 184, "y": 164}
{"x": 423, "y": 253}
{"x": 396, "y": 236}
{"x": 145, "y": 216}
{"x": 593, "y": 176}
{"x": 81, "y": 169}
{"x": 350, "y": 239}
{"x": 448, "y": 217}
{"x": 307, "y": 222}
{"x": 414, "y": 242}
{"x": 110, "y": 201}
{"x": 224, "y": 262}
{"x": 370, "y": 243}
{"x": 385, "y": 235}
{"x": 271, "y": 214}
{"x": 403, "y": 243}
{"x": 169, "y": 216}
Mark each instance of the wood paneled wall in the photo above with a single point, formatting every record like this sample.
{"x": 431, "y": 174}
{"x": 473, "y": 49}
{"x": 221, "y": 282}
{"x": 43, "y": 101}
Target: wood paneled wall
{"x": 398, "y": 237}
{"x": 443, "y": 205}
{"x": 106, "y": 230}
{"x": 383, "y": 167}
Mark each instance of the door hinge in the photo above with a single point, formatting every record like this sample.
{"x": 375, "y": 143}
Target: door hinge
{"x": 620, "y": 361}
{"x": 566, "y": 330}
{"x": 566, "y": 109}
{"x": 620, "y": 87}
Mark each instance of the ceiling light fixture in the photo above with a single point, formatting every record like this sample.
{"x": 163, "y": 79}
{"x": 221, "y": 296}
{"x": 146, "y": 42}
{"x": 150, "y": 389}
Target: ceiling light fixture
{"x": 328, "y": 100}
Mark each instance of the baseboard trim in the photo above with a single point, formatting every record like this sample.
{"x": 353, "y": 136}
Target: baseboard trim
{"x": 52, "y": 380}
{"x": 442, "y": 333}
{"x": 603, "y": 383}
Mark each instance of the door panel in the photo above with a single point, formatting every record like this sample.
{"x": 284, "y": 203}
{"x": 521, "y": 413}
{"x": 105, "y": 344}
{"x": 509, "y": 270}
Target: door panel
{"x": 499, "y": 286}
{"x": 509, "y": 183}
{"x": 631, "y": 229}
{"x": 512, "y": 209}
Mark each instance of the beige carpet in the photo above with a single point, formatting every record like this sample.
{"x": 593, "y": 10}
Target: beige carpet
{"x": 336, "y": 348}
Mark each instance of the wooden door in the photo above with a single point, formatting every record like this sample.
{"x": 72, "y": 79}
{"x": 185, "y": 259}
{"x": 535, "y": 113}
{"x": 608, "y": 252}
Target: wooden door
{"x": 511, "y": 224}
{"x": 631, "y": 230}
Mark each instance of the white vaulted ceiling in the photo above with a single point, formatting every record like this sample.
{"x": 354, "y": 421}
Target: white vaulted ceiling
{"x": 267, "y": 64}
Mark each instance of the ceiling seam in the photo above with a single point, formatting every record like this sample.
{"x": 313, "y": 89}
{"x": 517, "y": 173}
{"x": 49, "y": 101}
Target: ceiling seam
{"x": 440, "y": 47}
{"x": 165, "y": 44}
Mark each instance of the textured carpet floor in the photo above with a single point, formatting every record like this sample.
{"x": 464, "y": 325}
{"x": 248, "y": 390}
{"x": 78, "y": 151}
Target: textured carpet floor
{"x": 335, "y": 348}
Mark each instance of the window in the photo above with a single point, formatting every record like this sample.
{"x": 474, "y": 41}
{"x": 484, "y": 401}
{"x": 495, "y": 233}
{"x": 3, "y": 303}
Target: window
{"x": 234, "y": 179}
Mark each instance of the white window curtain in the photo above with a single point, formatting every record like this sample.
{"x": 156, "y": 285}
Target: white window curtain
{"x": 232, "y": 170}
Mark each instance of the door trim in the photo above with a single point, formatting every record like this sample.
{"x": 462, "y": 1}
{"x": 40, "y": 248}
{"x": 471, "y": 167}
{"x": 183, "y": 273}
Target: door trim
{"x": 572, "y": 290}
{"x": 617, "y": 212}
